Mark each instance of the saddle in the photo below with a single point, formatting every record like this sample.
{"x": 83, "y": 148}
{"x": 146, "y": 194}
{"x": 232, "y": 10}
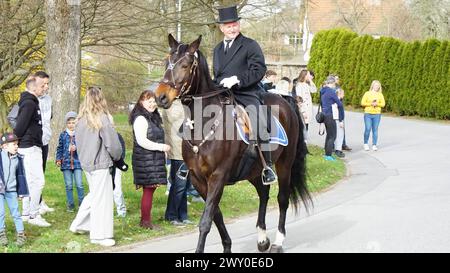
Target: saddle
{"x": 244, "y": 131}
{"x": 243, "y": 123}
{"x": 277, "y": 135}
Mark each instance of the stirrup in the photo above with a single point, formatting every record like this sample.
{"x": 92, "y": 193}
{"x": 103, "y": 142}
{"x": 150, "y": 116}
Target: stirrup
{"x": 263, "y": 176}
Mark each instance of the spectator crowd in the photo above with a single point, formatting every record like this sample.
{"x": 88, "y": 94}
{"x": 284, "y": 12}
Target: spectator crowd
{"x": 90, "y": 144}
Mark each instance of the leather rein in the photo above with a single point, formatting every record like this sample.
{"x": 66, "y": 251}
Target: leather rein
{"x": 185, "y": 96}
{"x": 185, "y": 88}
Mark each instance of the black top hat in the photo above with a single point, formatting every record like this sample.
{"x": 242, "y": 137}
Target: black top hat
{"x": 228, "y": 15}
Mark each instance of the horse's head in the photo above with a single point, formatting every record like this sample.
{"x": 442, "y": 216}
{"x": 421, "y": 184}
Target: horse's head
{"x": 181, "y": 65}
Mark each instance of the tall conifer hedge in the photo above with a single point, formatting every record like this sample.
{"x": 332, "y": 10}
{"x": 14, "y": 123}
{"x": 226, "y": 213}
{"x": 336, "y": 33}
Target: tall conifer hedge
{"x": 415, "y": 76}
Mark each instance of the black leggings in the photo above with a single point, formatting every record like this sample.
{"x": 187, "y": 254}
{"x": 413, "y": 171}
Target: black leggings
{"x": 44, "y": 157}
{"x": 330, "y": 125}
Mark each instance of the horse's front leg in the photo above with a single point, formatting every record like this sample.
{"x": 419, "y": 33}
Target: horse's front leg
{"x": 226, "y": 240}
{"x": 214, "y": 193}
{"x": 263, "y": 193}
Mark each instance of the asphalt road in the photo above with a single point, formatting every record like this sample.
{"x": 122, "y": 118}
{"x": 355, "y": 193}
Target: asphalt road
{"x": 396, "y": 199}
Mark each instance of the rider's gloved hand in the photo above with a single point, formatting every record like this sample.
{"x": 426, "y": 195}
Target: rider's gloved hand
{"x": 230, "y": 82}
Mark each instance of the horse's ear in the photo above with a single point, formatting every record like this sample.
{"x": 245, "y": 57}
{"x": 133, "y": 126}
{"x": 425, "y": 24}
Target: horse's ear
{"x": 172, "y": 42}
{"x": 193, "y": 47}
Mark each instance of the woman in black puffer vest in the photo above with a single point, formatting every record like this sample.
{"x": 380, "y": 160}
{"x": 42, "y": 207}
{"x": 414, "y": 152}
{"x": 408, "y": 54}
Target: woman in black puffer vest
{"x": 148, "y": 160}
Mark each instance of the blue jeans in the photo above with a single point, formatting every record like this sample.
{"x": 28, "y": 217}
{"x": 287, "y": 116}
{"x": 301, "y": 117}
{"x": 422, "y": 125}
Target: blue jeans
{"x": 371, "y": 122}
{"x": 13, "y": 204}
{"x": 71, "y": 176}
{"x": 192, "y": 191}
{"x": 177, "y": 201}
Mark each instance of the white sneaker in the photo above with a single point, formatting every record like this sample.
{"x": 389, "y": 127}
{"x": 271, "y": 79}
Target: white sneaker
{"x": 38, "y": 221}
{"x": 25, "y": 218}
{"x": 374, "y": 148}
{"x": 78, "y": 231}
{"x": 42, "y": 211}
{"x": 366, "y": 147}
{"x": 104, "y": 242}
{"x": 44, "y": 208}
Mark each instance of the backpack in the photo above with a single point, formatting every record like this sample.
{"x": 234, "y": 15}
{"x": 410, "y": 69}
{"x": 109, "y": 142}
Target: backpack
{"x": 12, "y": 116}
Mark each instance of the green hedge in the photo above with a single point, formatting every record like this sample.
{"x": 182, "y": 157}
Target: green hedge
{"x": 415, "y": 76}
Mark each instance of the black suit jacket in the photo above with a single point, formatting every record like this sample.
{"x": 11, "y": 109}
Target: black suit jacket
{"x": 245, "y": 60}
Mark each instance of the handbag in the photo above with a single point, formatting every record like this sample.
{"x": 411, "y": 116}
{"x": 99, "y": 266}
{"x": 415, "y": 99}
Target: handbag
{"x": 320, "y": 117}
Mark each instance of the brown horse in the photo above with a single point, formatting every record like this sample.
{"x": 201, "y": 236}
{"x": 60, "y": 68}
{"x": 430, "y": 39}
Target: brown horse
{"x": 212, "y": 162}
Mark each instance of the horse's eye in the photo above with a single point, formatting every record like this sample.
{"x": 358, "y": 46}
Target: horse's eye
{"x": 184, "y": 66}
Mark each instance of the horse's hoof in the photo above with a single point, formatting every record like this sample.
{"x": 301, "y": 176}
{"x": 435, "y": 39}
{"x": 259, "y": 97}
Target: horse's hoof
{"x": 264, "y": 246}
{"x": 276, "y": 249}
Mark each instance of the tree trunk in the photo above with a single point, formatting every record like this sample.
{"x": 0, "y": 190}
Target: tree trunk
{"x": 63, "y": 62}
{"x": 4, "y": 126}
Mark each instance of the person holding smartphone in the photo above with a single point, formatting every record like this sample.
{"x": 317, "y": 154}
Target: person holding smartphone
{"x": 372, "y": 101}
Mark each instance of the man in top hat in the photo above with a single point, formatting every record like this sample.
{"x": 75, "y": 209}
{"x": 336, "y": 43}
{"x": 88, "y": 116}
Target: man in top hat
{"x": 239, "y": 64}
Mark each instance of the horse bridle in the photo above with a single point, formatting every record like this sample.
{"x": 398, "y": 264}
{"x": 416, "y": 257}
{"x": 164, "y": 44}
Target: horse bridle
{"x": 184, "y": 94}
{"x": 171, "y": 66}
{"x": 184, "y": 91}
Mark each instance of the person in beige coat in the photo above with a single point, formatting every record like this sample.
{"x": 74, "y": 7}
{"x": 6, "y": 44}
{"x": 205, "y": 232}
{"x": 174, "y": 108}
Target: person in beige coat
{"x": 305, "y": 86}
{"x": 176, "y": 211}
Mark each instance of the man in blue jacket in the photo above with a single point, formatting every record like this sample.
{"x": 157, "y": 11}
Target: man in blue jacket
{"x": 13, "y": 184}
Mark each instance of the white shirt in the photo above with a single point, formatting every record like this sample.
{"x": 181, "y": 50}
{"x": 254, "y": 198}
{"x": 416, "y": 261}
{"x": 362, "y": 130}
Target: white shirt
{"x": 229, "y": 45}
{"x": 45, "y": 105}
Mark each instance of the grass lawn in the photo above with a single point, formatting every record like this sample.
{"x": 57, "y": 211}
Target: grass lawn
{"x": 237, "y": 200}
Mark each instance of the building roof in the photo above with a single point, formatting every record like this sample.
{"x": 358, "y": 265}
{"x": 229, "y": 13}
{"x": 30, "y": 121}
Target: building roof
{"x": 362, "y": 16}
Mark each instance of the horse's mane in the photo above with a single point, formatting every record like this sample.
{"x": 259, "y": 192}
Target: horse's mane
{"x": 203, "y": 68}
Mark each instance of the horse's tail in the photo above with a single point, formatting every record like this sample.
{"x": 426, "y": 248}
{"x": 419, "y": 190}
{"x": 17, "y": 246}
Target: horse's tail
{"x": 298, "y": 185}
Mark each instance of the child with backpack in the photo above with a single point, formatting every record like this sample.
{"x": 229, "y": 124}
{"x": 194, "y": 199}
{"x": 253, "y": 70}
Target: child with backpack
{"x": 67, "y": 160}
{"x": 13, "y": 184}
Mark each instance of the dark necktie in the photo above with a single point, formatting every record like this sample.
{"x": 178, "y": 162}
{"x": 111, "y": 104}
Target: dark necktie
{"x": 227, "y": 46}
